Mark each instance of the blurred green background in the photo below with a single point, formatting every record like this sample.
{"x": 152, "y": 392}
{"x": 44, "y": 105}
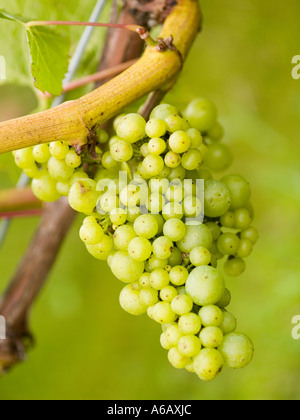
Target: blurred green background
{"x": 86, "y": 346}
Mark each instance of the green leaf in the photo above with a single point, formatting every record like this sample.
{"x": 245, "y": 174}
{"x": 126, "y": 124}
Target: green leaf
{"x": 13, "y": 17}
{"x": 49, "y": 58}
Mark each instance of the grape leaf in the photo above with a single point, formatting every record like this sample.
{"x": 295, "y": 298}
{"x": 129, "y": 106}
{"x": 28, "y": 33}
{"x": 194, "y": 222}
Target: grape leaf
{"x": 49, "y": 58}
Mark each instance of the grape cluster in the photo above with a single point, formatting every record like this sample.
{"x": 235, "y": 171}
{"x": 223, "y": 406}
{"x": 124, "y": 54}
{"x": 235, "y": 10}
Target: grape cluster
{"x": 163, "y": 232}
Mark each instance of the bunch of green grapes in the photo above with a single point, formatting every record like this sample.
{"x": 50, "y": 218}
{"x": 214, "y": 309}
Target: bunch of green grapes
{"x": 163, "y": 232}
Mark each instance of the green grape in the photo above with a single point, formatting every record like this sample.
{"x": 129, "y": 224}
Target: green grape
{"x": 145, "y": 150}
{"x": 235, "y": 267}
{"x": 218, "y": 158}
{"x": 208, "y": 364}
{"x": 152, "y": 165}
{"x": 156, "y": 264}
{"x": 177, "y": 360}
{"x": 189, "y": 324}
{"x": 172, "y": 211}
{"x": 225, "y": 299}
{"x": 118, "y": 216}
{"x": 190, "y": 188}
{"x": 148, "y": 296}
{"x": 176, "y": 123}
{"x": 214, "y": 230}
{"x": 250, "y": 234}
{"x": 130, "y": 196}
{"x": 175, "y": 258}
{"x": 182, "y": 304}
{"x": 160, "y": 222}
{"x": 72, "y": 159}
{"x": 162, "y": 247}
{"x": 164, "y": 342}
{"x": 158, "y": 186}
{"x": 101, "y": 250}
{"x": 156, "y": 128}
{"x": 237, "y": 350}
{"x": 195, "y": 137}
{"x": 192, "y": 207}
{"x": 131, "y": 128}
{"x": 174, "y": 229}
{"x": 107, "y": 203}
{"x": 179, "y": 142}
{"x": 44, "y": 189}
{"x": 163, "y": 111}
{"x": 59, "y": 149}
{"x": 198, "y": 235}
{"x": 201, "y": 114}
{"x": 217, "y": 199}
{"x": 240, "y": 191}
{"x": 146, "y": 226}
{"x": 200, "y": 256}
{"x": 204, "y": 173}
{"x": 144, "y": 280}
{"x": 78, "y": 176}
{"x": 140, "y": 249}
{"x": 33, "y": 172}
{"x": 175, "y": 193}
{"x": 159, "y": 279}
{"x": 91, "y": 233}
{"x": 155, "y": 204}
{"x": 168, "y": 293}
{"x": 117, "y": 120}
{"x": 216, "y": 133}
{"x": 121, "y": 151}
{"x": 63, "y": 188}
{"x": 242, "y": 219}
{"x": 113, "y": 140}
{"x": 133, "y": 213}
{"x": 229, "y": 323}
{"x": 205, "y": 285}
{"x": 173, "y": 334}
{"x": 211, "y": 337}
{"x": 190, "y": 368}
{"x": 102, "y": 135}
{"x": 157, "y": 146}
{"x": 228, "y": 243}
{"x": 163, "y": 314}
{"x": 41, "y": 153}
{"x": 211, "y": 316}
{"x": 108, "y": 161}
{"x": 125, "y": 268}
{"x": 191, "y": 160}
{"x": 130, "y": 300}
{"x": 172, "y": 160}
{"x": 177, "y": 173}
{"x": 178, "y": 275}
{"x": 228, "y": 219}
{"x": 58, "y": 169}
{"x": 245, "y": 248}
{"x": 123, "y": 236}
{"x": 24, "y": 158}
{"x": 189, "y": 346}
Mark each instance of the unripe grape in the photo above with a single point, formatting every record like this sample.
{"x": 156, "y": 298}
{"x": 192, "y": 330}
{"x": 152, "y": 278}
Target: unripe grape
{"x": 131, "y": 128}
{"x": 108, "y": 161}
{"x": 164, "y": 342}
{"x": 216, "y": 133}
{"x": 205, "y": 285}
{"x": 163, "y": 314}
{"x": 208, "y": 364}
{"x": 121, "y": 151}
{"x": 218, "y": 157}
{"x": 130, "y": 301}
{"x": 175, "y": 258}
{"x": 146, "y": 226}
{"x": 228, "y": 219}
{"x": 72, "y": 159}
{"x": 173, "y": 334}
{"x": 44, "y": 189}
{"x": 168, "y": 293}
{"x": 159, "y": 279}
{"x": 91, "y": 233}
{"x": 177, "y": 360}
{"x": 229, "y": 323}
{"x": 242, "y": 219}
{"x": 176, "y": 123}
{"x": 198, "y": 235}
{"x": 41, "y": 153}
{"x": 122, "y": 237}
{"x": 189, "y": 324}
{"x": 157, "y": 146}
{"x": 172, "y": 211}
{"x": 239, "y": 189}
{"x": 200, "y": 256}
{"x": 174, "y": 229}
{"x": 201, "y": 114}
{"x": 59, "y": 149}
{"x": 58, "y": 169}
{"x": 225, "y": 299}
{"x": 156, "y": 128}
{"x": 179, "y": 142}
{"x": 211, "y": 316}
{"x": 125, "y": 268}
{"x": 118, "y": 216}
{"x": 245, "y": 248}
{"x": 189, "y": 346}
{"x": 211, "y": 337}
{"x": 228, "y": 243}
{"x": 217, "y": 198}
{"x": 235, "y": 267}
{"x": 101, "y": 250}
{"x": 156, "y": 264}
{"x": 148, "y": 296}
{"x": 191, "y": 160}
{"x": 140, "y": 249}
{"x": 237, "y": 350}
{"x": 195, "y": 137}
{"x": 162, "y": 247}
{"x": 172, "y": 160}
{"x": 163, "y": 111}
{"x": 251, "y": 234}
{"x": 179, "y": 275}
{"x": 182, "y": 304}
{"x": 152, "y": 165}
